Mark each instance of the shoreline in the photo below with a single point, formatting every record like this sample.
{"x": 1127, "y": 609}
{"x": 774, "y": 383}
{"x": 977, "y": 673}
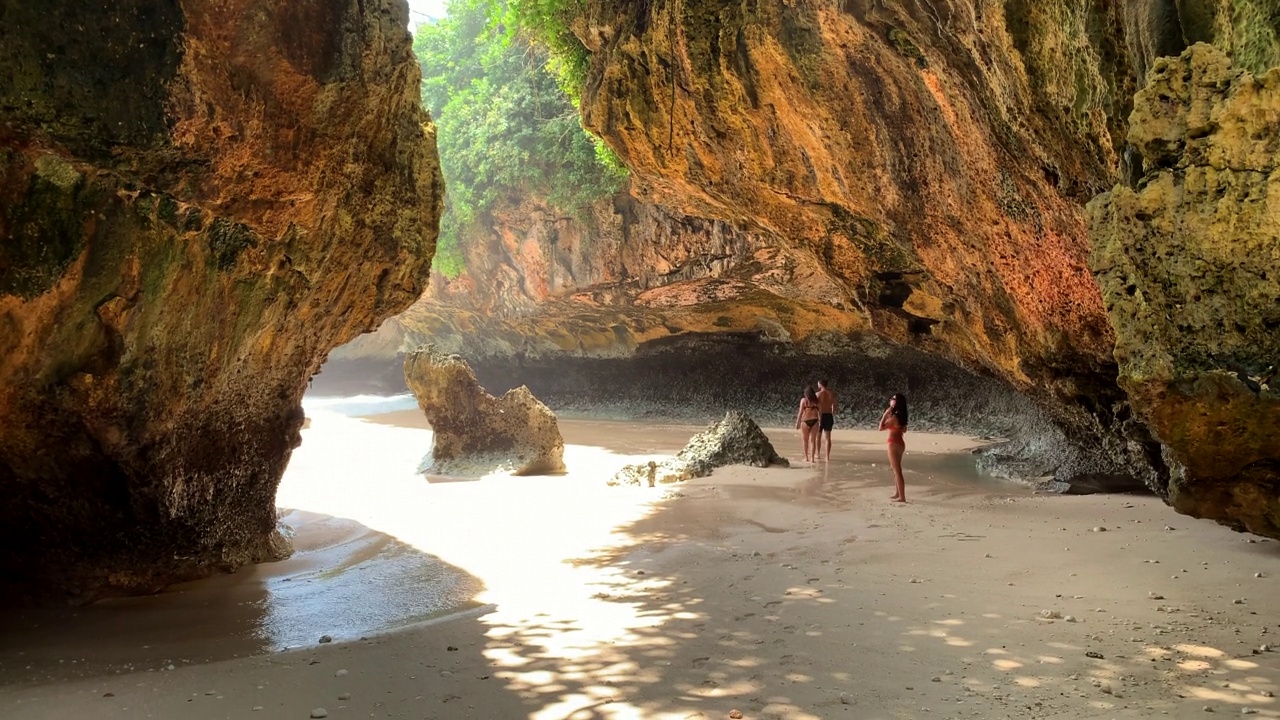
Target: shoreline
{"x": 782, "y": 593}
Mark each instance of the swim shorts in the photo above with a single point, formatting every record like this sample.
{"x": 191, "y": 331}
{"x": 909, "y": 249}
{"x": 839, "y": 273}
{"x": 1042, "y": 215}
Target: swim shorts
{"x": 828, "y": 421}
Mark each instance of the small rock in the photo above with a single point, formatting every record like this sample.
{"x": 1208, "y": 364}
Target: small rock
{"x": 914, "y": 580}
{"x": 319, "y": 713}
{"x": 451, "y": 648}
{"x": 445, "y": 673}
{"x": 1266, "y": 648}
{"x": 1247, "y": 711}
{"x": 340, "y": 673}
{"x": 1267, "y": 693}
{"x": 845, "y": 699}
{"x": 257, "y": 708}
{"x": 1099, "y": 529}
{"x": 1238, "y": 601}
{"x": 1094, "y": 655}
{"x": 735, "y": 715}
{"x": 1155, "y": 596}
{"x": 1070, "y": 618}
{"x": 1259, "y": 575}
{"x": 1050, "y": 614}
{"x": 326, "y": 638}
{"x": 935, "y": 678}
{"x": 210, "y": 692}
{"x": 987, "y": 555}
{"x": 1206, "y": 708}
{"x": 344, "y": 696}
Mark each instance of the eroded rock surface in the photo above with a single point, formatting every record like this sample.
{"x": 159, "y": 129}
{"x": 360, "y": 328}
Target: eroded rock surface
{"x": 734, "y": 440}
{"x": 1189, "y": 265}
{"x": 475, "y": 433}
{"x": 196, "y": 204}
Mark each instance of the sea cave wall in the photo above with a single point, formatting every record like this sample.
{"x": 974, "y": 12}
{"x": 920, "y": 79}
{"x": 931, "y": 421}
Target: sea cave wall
{"x": 198, "y": 201}
{"x": 938, "y": 158}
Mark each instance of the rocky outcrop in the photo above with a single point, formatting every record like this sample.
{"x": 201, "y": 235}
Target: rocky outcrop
{"x": 474, "y": 433}
{"x": 1189, "y": 265}
{"x": 734, "y": 440}
{"x": 197, "y": 202}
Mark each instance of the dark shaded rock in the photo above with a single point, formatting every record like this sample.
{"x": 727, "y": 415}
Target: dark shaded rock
{"x": 196, "y": 205}
{"x": 735, "y": 440}
{"x": 475, "y": 433}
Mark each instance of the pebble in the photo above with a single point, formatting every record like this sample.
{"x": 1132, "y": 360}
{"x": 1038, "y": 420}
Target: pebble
{"x": 326, "y": 639}
{"x": 935, "y": 678}
{"x": 845, "y": 699}
{"x": 1208, "y": 709}
{"x": 257, "y": 708}
{"x": 1070, "y": 618}
{"x": 445, "y": 673}
{"x": 319, "y": 713}
{"x": 1259, "y": 575}
{"x": 735, "y": 715}
{"x": 1238, "y": 601}
{"x": 1099, "y": 529}
{"x": 1155, "y": 596}
{"x": 344, "y": 696}
{"x": 1247, "y": 711}
{"x": 1267, "y": 693}
{"x": 914, "y": 580}
{"x": 1050, "y": 614}
{"x": 340, "y": 673}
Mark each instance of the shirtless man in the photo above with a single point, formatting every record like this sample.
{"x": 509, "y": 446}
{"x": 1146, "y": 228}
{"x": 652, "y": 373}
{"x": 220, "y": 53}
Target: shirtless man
{"x": 827, "y": 407}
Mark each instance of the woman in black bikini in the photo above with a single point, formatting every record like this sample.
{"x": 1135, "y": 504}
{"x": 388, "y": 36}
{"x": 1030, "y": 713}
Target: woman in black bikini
{"x": 894, "y": 420}
{"x": 806, "y": 419}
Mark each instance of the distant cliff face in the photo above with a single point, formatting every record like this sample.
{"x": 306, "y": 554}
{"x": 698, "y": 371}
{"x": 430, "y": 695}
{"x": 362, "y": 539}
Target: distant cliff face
{"x": 196, "y": 204}
{"x": 539, "y": 284}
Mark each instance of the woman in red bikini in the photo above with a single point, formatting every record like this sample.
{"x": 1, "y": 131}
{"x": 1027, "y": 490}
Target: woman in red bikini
{"x": 806, "y": 419}
{"x": 894, "y": 420}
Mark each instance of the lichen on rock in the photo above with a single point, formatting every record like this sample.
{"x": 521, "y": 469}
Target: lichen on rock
{"x": 474, "y": 433}
{"x": 733, "y": 440}
{"x": 1187, "y": 263}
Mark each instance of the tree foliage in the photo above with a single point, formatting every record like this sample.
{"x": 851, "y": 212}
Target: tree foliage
{"x": 506, "y": 129}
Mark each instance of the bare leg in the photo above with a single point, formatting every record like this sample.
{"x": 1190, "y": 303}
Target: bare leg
{"x": 827, "y": 435}
{"x": 804, "y": 441}
{"x": 814, "y": 435}
{"x": 895, "y": 462}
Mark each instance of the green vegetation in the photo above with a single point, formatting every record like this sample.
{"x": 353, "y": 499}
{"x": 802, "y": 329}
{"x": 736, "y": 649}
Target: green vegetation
{"x": 506, "y": 129}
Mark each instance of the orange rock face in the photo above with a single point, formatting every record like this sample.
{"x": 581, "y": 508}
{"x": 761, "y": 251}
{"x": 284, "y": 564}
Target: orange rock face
{"x": 198, "y": 202}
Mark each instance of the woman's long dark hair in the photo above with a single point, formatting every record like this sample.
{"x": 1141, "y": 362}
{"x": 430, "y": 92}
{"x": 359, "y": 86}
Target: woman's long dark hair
{"x": 900, "y": 408}
{"x": 809, "y": 394}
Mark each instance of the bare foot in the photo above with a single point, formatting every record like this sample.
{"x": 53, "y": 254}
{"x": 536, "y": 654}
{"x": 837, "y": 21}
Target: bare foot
{"x": 899, "y": 500}
{"x": 894, "y": 497}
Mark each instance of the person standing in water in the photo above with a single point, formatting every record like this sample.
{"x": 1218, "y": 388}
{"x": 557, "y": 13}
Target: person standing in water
{"x": 894, "y": 420}
{"x": 827, "y": 411}
{"x": 805, "y": 421}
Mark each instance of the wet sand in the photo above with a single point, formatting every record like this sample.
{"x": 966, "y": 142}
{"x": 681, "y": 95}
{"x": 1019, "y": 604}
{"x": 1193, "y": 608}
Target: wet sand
{"x": 782, "y": 593}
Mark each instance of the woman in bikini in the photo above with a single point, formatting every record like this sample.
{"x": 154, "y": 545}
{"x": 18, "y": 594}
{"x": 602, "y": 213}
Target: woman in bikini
{"x": 894, "y": 420}
{"x": 806, "y": 420}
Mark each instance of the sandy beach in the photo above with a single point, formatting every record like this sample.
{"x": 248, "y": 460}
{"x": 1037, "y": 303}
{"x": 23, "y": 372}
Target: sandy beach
{"x": 779, "y": 593}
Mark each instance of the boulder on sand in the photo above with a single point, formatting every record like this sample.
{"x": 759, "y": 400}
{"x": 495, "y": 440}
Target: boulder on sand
{"x": 474, "y": 432}
{"x": 735, "y": 440}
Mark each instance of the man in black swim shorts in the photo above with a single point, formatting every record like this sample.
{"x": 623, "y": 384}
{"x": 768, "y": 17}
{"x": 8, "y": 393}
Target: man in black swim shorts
{"x": 827, "y": 408}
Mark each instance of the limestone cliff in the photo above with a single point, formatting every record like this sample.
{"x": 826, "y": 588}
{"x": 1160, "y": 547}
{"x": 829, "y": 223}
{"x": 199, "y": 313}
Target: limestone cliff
{"x": 199, "y": 200}
{"x": 1189, "y": 265}
{"x": 936, "y": 158}
{"x": 539, "y": 284}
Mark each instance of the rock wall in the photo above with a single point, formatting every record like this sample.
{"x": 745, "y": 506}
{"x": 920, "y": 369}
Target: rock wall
{"x": 935, "y": 157}
{"x": 1189, "y": 265}
{"x": 198, "y": 201}
{"x": 540, "y": 285}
